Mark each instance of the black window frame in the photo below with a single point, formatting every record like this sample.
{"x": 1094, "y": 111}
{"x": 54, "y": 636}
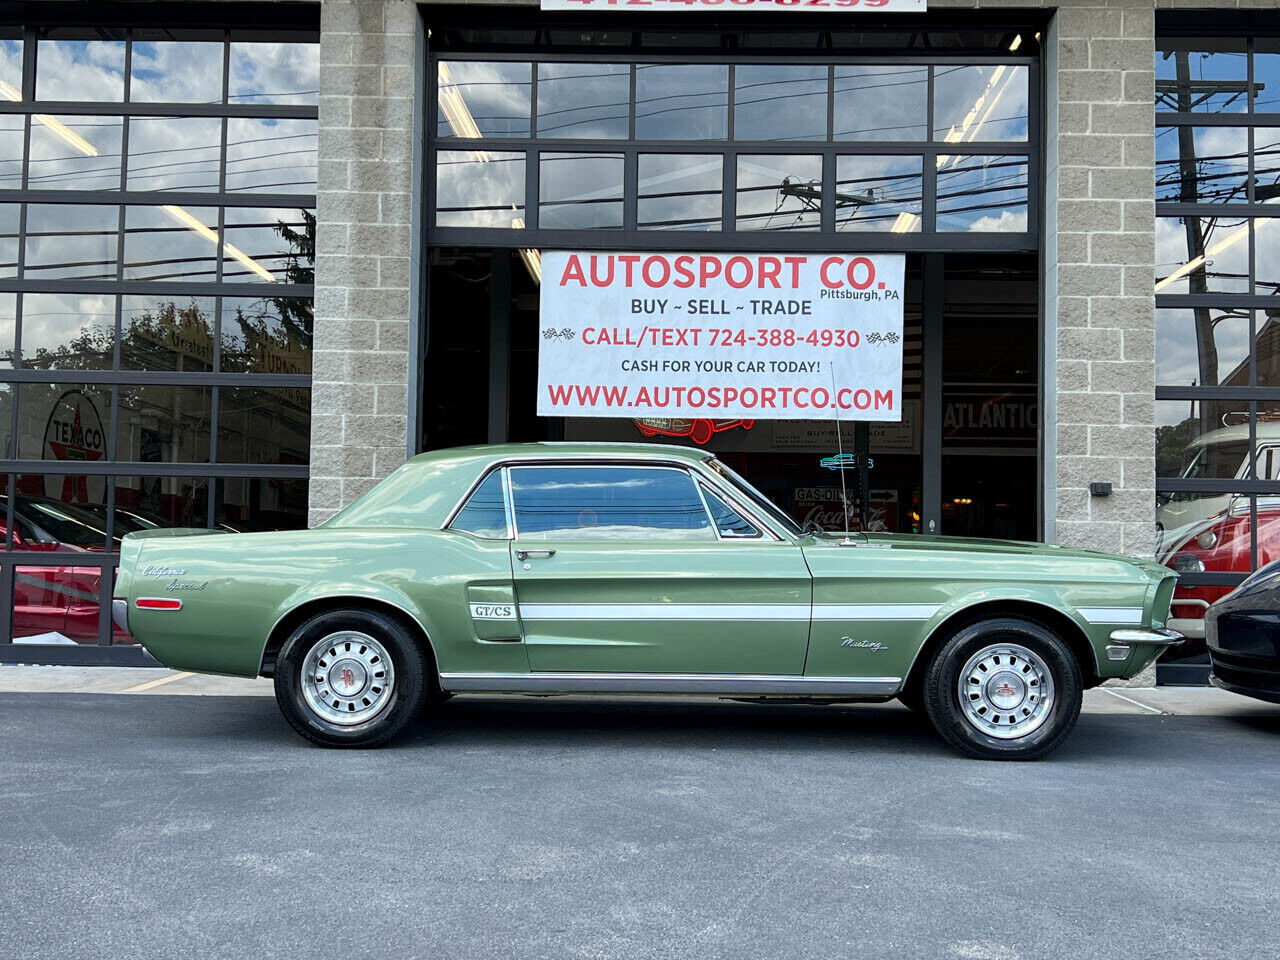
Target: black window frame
{"x": 728, "y": 238}
{"x": 1173, "y": 26}
{"x": 233, "y": 23}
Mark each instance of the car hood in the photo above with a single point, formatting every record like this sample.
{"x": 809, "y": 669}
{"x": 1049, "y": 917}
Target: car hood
{"x": 982, "y": 545}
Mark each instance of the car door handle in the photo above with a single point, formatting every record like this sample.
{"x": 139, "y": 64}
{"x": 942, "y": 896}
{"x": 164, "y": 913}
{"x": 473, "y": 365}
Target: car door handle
{"x": 526, "y": 554}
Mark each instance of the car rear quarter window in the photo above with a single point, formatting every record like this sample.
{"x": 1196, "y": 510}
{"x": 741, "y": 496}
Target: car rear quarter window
{"x": 485, "y": 512}
{"x": 607, "y": 502}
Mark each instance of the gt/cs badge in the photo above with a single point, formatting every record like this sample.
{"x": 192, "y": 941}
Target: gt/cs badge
{"x": 493, "y": 611}
{"x": 862, "y": 644}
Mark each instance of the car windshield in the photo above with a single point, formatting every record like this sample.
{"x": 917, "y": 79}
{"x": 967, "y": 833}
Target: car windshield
{"x": 65, "y": 523}
{"x": 1216, "y": 461}
{"x": 128, "y": 521}
{"x": 756, "y": 497}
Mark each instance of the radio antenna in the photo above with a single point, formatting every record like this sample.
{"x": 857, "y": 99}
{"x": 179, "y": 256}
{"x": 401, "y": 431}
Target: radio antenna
{"x": 844, "y": 491}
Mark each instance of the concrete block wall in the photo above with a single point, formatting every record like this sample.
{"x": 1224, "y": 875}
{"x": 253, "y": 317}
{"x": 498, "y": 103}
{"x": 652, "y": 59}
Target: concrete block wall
{"x": 364, "y": 227}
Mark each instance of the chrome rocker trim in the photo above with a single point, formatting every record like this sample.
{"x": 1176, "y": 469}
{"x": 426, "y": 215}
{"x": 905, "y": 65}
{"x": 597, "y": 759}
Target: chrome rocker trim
{"x": 1123, "y": 640}
{"x": 670, "y": 683}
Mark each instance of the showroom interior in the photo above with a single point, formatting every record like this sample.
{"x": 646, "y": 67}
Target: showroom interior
{"x": 882, "y": 140}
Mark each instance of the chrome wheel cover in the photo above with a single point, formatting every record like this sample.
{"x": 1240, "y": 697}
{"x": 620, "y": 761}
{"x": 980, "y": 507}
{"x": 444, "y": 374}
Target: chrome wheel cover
{"x": 347, "y": 678}
{"x": 1005, "y": 691}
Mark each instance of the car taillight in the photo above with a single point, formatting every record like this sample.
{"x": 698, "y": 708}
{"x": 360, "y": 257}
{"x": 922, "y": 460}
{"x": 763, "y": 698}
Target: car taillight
{"x": 157, "y": 603}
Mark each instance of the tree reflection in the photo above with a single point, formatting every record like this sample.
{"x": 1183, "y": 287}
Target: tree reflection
{"x": 275, "y": 334}
{"x": 271, "y": 334}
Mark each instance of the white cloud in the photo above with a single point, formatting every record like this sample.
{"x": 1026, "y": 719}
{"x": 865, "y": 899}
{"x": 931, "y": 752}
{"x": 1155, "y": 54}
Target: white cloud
{"x": 274, "y": 73}
{"x": 1009, "y": 221}
{"x": 180, "y": 72}
{"x": 80, "y": 70}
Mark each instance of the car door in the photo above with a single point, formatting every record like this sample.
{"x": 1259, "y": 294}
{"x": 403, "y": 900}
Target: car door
{"x": 490, "y": 642}
{"x": 619, "y": 568}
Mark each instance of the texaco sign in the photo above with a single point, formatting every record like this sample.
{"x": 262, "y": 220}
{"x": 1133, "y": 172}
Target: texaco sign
{"x": 74, "y": 431}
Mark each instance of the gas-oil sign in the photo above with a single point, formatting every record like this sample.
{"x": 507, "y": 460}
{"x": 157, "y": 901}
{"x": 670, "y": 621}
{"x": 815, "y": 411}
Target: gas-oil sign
{"x": 758, "y": 336}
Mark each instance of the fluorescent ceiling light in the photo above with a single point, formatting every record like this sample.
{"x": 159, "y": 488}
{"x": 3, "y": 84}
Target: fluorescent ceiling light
{"x": 455, "y": 108}
{"x": 905, "y": 223}
{"x": 963, "y": 132}
{"x": 191, "y": 223}
{"x": 182, "y": 216}
{"x": 55, "y": 126}
{"x": 532, "y": 258}
{"x": 1234, "y": 237}
{"x": 464, "y": 125}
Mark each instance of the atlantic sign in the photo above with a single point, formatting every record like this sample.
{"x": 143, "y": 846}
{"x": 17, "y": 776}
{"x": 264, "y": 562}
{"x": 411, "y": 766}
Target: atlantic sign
{"x": 751, "y": 336}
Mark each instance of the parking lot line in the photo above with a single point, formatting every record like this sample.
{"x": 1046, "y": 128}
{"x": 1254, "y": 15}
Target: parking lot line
{"x": 159, "y": 681}
{"x": 1136, "y": 703}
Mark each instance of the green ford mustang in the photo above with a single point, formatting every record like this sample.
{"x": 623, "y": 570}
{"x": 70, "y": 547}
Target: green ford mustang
{"x": 636, "y": 568}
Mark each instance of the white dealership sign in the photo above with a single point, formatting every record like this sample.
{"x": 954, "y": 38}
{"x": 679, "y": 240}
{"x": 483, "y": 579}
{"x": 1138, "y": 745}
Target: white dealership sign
{"x": 721, "y": 6}
{"x": 721, "y": 336}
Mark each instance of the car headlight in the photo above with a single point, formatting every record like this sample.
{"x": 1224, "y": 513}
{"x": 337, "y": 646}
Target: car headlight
{"x": 1207, "y": 540}
{"x": 1187, "y": 563}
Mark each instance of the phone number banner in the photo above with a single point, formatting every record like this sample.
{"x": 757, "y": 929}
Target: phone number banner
{"x": 797, "y": 6}
{"x": 721, "y": 336}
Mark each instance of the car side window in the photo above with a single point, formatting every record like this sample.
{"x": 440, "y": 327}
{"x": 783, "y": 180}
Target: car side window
{"x": 607, "y": 502}
{"x": 485, "y": 512}
{"x": 730, "y": 524}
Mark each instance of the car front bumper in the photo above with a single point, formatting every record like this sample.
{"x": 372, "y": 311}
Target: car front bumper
{"x": 1123, "y": 641}
{"x": 1260, "y": 688}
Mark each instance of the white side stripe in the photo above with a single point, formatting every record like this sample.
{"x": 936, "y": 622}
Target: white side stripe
{"x": 727, "y": 611}
{"x": 822, "y": 612}
{"x": 664, "y": 611}
{"x": 874, "y": 611}
{"x": 1130, "y": 615}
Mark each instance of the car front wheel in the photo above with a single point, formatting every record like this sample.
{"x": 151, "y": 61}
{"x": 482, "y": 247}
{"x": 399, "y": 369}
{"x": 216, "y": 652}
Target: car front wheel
{"x": 1004, "y": 689}
{"x": 351, "y": 678}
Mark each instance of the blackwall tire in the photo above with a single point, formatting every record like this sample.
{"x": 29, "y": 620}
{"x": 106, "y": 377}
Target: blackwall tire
{"x": 1004, "y": 689}
{"x": 913, "y": 700}
{"x": 351, "y": 678}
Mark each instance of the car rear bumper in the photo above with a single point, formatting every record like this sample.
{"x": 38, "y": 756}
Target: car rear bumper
{"x": 120, "y": 613}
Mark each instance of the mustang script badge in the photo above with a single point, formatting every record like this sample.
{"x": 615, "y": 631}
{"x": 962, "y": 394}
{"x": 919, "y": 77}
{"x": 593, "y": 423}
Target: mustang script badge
{"x": 863, "y": 644}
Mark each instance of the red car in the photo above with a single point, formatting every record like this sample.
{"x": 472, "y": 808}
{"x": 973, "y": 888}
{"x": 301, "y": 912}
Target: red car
{"x": 699, "y": 431}
{"x": 1220, "y": 544}
{"x": 56, "y": 604}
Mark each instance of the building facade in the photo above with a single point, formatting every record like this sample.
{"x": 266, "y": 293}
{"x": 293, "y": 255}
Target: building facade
{"x": 257, "y": 254}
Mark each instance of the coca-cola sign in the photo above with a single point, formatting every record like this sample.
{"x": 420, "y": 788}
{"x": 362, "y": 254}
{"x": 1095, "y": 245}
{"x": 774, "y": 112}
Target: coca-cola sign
{"x": 821, "y": 505}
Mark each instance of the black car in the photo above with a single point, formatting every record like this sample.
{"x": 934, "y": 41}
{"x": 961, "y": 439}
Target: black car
{"x": 1242, "y": 631}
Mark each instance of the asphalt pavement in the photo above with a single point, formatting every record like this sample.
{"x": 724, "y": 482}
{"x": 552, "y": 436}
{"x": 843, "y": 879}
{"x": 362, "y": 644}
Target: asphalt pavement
{"x": 163, "y": 826}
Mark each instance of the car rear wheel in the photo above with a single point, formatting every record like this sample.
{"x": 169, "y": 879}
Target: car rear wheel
{"x": 1004, "y": 689}
{"x": 351, "y": 678}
